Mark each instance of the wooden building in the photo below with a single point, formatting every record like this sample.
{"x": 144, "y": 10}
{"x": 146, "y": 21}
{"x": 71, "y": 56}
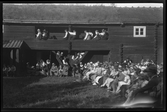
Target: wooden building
{"x": 141, "y": 36}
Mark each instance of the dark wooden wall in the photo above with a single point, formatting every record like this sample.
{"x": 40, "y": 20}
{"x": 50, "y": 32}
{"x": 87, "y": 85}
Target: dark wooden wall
{"x": 117, "y": 35}
{"x": 19, "y": 32}
{"x": 160, "y": 41}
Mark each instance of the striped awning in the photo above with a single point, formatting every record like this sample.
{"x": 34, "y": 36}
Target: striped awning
{"x": 12, "y": 43}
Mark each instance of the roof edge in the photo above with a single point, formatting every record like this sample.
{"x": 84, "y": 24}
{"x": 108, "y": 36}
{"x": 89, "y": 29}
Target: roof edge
{"x": 14, "y": 21}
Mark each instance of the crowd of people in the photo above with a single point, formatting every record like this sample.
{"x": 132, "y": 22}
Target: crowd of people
{"x": 71, "y": 35}
{"x": 9, "y": 71}
{"x": 127, "y": 79}
{"x": 61, "y": 69}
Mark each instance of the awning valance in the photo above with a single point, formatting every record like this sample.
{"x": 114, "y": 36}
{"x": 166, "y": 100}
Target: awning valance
{"x": 12, "y": 43}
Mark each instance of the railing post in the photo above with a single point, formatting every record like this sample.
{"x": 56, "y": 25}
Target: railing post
{"x": 109, "y": 56}
{"x": 121, "y": 53}
{"x": 69, "y": 29}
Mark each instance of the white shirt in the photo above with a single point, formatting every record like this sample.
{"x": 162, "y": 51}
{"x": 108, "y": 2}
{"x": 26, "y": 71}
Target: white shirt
{"x": 43, "y": 64}
{"x": 80, "y": 56}
{"x": 102, "y": 33}
{"x": 65, "y": 34}
{"x": 64, "y": 62}
{"x": 72, "y": 33}
{"x": 73, "y": 57}
{"x": 90, "y": 33}
{"x": 39, "y": 34}
{"x": 86, "y": 36}
{"x": 127, "y": 79}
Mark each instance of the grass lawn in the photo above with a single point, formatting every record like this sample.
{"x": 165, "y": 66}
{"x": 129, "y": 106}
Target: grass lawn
{"x": 54, "y": 92}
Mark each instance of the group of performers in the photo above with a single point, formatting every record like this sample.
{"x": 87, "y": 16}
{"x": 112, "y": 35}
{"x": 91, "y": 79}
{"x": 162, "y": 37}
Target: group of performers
{"x": 72, "y": 35}
{"x": 87, "y": 35}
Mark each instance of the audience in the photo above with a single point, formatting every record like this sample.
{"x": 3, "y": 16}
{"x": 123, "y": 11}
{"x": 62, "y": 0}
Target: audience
{"x": 54, "y": 70}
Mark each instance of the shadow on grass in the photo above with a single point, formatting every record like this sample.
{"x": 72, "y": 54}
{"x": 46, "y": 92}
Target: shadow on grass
{"x": 55, "y": 92}
{"x": 19, "y": 82}
{"x": 27, "y": 96}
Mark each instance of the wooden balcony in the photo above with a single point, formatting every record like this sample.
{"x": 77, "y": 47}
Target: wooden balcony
{"x": 112, "y": 44}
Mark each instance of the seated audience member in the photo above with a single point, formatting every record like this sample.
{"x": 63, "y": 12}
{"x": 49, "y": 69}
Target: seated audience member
{"x": 119, "y": 77}
{"x": 65, "y": 70}
{"x": 39, "y": 34}
{"x": 38, "y": 66}
{"x": 42, "y": 64}
{"x": 153, "y": 81}
{"x": 54, "y": 70}
{"x": 81, "y": 67}
{"x": 47, "y": 67}
{"x": 28, "y": 68}
{"x": 8, "y": 70}
{"x": 13, "y": 71}
{"x": 4, "y": 70}
{"x": 126, "y": 81}
{"x": 60, "y": 71}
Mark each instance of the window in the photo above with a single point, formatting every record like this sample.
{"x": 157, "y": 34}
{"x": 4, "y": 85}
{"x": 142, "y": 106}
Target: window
{"x": 139, "y": 31}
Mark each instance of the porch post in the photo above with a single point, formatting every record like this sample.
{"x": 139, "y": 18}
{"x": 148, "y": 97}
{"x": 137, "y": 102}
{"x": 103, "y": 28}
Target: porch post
{"x": 121, "y": 53}
{"x": 17, "y": 61}
{"x": 11, "y": 56}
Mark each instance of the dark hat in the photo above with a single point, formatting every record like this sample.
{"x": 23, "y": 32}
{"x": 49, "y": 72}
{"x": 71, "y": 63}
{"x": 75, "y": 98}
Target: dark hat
{"x": 151, "y": 69}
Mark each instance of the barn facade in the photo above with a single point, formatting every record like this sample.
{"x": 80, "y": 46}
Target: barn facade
{"x": 135, "y": 38}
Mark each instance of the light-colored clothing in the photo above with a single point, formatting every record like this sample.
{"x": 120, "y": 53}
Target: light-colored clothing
{"x": 72, "y": 33}
{"x": 102, "y": 33}
{"x": 86, "y": 36}
{"x": 114, "y": 73}
{"x": 107, "y": 82}
{"x": 125, "y": 82}
{"x": 144, "y": 83}
{"x": 54, "y": 70}
{"x": 66, "y": 33}
{"x": 39, "y": 35}
{"x": 90, "y": 72}
{"x": 97, "y": 79}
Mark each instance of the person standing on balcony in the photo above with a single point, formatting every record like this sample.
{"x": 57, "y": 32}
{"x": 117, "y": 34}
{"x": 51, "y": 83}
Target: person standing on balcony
{"x": 66, "y": 35}
{"x": 72, "y": 35}
{"x": 44, "y": 35}
{"x": 88, "y": 35}
{"x": 96, "y": 37}
{"x": 39, "y": 34}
